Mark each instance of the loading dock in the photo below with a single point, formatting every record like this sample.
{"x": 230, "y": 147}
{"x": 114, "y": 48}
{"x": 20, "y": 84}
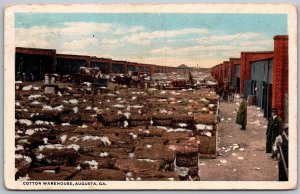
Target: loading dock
{"x": 34, "y": 63}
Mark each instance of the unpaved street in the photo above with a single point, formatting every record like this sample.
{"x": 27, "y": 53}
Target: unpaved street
{"x": 242, "y": 154}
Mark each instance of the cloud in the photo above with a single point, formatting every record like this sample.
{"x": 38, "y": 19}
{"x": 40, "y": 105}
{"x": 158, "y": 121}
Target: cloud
{"x": 64, "y": 37}
{"x": 255, "y": 43}
{"x": 68, "y": 29}
{"x": 34, "y": 44}
{"x": 136, "y": 29}
{"x": 163, "y": 50}
{"x": 230, "y": 37}
{"x": 170, "y": 47}
{"x": 188, "y": 50}
{"x": 85, "y": 27}
{"x": 80, "y": 44}
{"x": 109, "y": 41}
{"x": 146, "y": 37}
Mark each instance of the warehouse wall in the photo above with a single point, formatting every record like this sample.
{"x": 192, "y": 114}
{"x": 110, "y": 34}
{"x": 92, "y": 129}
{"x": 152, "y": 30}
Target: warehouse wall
{"x": 246, "y": 58}
{"x": 280, "y": 74}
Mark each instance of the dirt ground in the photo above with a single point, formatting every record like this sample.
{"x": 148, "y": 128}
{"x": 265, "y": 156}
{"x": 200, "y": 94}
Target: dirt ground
{"x": 241, "y": 153}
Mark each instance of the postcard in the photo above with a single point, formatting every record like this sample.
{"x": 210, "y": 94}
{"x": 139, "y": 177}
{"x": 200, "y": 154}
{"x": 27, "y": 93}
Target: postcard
{"x": 150, "y": 97}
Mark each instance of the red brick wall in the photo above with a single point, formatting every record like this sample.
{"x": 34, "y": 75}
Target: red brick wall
{"x": 232, "y": 61}
{"x": 225, "y": 70}
{"x": 280, "y": 74}
{"x": 219, "y": 73}
{"x": 246, "y": 58}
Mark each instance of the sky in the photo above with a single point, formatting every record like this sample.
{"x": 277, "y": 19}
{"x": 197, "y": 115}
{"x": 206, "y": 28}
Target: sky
{"x": 170, "y": 39}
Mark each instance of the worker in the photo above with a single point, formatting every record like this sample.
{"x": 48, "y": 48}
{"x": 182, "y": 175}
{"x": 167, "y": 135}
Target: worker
{"x": 274, "y": 129}
{"x": 241, "y": 117}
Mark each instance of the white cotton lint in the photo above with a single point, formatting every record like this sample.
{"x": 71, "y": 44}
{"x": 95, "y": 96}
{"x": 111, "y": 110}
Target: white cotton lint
{"x": 223, "y": 161}
{"x": 207, "y": 133}
{"x": 25, "y": 178}
{"x": 105, "y": 140}
{"x": 127, "y": 114}
{"x": 200, "y": 126}
{"x": 29, "y": 132}
{"x": 182, "y": 124}
{"x": 126, "y": 123}
{"x": 204, "y": 109}
{"x": 40, "y": 156}
{"x": 103, "y": 154}
{"x": 31, "y": 97}
{"x": 39, "y": 122}
{"x": 93, "y": 164}
{"x": 211, "y": 105}
{"x": 73, "y": 101}
{"x": 75, "y": 109}
{"x": 73, "y": 146}
{"x": 118, "y": 106}
{"x": 74, "y": 138}
{"x": 19, "y": 147}
{"x": 148, "y": 146}
{"x": 209, "y": 127}
{"x": 146, "y": 160}
{"x": 131, "y": 155}
{"x": 241, "y": 158}
{"x": 63, "y": 138}
{"x": 45, "y": 140}
{"x": 25, "y": 121}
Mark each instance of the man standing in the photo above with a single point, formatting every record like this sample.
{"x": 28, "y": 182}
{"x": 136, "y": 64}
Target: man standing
{"x": 283, "y": 162}
{"x": 241, "y": 117}
{"x": 274, "y": 129}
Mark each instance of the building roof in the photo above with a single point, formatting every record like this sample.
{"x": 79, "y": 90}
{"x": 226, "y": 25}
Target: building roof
{"x": 183, "y": 66}
{"x": 35, "y": 51}
{"x": 286, "y": 37}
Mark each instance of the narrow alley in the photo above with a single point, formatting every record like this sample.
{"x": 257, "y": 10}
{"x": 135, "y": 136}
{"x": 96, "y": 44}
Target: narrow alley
{"x": 241, "y": 153}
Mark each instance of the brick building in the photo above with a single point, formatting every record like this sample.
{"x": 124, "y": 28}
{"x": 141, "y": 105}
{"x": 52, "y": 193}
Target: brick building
{"x": 34, "y": 61}
{"x": 70, "y": 64}
{"x": 245, "y": 67}
{"x": 37, "y": 62}
{"x": 225, "y": 72}
{"x": 234, "y": 73}
{"x": 280, "y": 75}
{"x": 104, "y": 64}
{"x": 260, "y": 84}
{"x": 263, "y": 74}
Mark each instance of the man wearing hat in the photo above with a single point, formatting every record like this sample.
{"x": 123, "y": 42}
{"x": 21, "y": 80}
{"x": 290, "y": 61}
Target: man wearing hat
{"x": 274, "y": 129}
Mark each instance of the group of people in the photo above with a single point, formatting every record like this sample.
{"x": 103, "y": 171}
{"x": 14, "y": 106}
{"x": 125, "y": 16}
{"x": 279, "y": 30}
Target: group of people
{"x": 276, "y": 138}
{"x": 226, "y": 91}
{"x": 24, "y": 77}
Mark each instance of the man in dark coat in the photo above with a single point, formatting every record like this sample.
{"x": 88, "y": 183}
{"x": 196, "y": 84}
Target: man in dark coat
{"x": 274, "y": 129}
{"x": 241, "y": 117}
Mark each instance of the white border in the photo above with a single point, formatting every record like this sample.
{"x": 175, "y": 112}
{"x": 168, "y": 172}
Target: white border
{"x": 9, "y": 101}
